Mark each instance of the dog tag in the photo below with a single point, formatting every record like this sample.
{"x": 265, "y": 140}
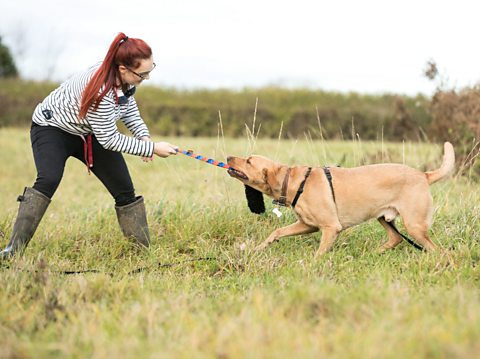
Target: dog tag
{"x": 277, "y": 212}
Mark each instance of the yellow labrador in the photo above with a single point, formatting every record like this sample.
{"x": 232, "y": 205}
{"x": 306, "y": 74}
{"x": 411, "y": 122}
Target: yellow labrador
{"x": 333, "y": 199}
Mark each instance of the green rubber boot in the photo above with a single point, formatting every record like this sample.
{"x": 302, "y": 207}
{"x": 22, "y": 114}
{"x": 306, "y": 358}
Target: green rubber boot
{"x": 33, "y": 205}
{"x": 133, "y": 221}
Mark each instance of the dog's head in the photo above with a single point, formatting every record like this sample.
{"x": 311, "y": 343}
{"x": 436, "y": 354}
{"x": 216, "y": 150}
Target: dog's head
{"x": 258, "y": 174}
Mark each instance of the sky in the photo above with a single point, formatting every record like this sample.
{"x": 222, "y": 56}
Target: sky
{"x": 367, "y": 46}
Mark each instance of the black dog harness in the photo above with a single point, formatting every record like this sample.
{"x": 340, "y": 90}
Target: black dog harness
{"x": 282, "y": 200}
{"x": 300, "y": 189}
{"x": 328, "y": 174}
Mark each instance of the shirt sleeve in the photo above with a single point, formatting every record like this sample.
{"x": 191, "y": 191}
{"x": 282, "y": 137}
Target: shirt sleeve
{"x": 133, "y": 121}
{"x": 104, "y": 127}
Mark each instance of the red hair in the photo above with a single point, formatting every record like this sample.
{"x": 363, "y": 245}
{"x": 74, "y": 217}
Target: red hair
{"x": 123, "y": 51}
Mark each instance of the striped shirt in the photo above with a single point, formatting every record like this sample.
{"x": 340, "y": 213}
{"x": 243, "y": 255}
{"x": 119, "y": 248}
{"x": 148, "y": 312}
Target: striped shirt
{"x": 64, "y": 104}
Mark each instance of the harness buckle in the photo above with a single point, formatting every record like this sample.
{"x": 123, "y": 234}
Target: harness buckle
{"x": 281, "y": 201}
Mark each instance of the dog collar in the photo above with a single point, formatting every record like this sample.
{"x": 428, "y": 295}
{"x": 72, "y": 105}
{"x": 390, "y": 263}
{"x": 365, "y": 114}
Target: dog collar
{"x": 282, "y": 200}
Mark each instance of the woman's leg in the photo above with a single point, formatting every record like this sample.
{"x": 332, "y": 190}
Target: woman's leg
{"x": 111, "y": 169}
{"x": 50, "y": 150}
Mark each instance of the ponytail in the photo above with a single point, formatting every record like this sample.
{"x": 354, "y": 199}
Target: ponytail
{"x": 123, "y": 51}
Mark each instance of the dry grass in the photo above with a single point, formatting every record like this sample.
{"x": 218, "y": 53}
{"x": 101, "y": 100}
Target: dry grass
{"x": 235, "y": 302}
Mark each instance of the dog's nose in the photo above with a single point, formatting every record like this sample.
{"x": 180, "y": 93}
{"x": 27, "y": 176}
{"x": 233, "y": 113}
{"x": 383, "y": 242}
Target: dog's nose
{"x": 229, "y": 158}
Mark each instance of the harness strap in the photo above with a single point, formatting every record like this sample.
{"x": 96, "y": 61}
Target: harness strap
{"x": 328, "y": 174}
{"x": 88, "y": 151}
{"x": 300, "y": 189}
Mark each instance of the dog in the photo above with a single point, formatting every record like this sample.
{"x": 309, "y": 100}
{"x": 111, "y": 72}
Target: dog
{"x": 334, "y": 199}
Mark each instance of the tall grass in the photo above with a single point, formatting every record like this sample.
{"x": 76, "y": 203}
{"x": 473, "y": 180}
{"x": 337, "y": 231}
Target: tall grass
{"x": 201, "y": 290}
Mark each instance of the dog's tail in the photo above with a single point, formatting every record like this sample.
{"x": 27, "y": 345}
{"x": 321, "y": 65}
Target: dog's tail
{"x": 447, "y": 165}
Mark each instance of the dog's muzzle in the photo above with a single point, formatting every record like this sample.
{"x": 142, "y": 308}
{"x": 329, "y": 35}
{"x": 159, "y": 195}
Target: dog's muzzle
{"x": 237, "y": 174}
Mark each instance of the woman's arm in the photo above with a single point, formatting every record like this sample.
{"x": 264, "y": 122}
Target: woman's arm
{"x": 104, "y": 127}
{"x": 133, "y": 121}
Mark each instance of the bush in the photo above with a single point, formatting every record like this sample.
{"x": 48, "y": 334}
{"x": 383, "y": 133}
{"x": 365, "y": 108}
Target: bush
{"x": 19, "y": 98}
{"x": 456, "y": 118}
{"x": 298, "y": 113}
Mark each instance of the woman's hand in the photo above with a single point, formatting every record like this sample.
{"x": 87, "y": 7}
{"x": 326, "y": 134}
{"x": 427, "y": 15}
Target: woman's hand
{"x": 164, "y": 149}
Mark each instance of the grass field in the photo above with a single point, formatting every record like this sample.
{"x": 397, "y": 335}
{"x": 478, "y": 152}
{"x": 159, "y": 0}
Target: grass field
{"x": 201, "y": 291}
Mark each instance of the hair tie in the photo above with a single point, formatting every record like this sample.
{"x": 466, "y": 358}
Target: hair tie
{"x": 124, "y": 40}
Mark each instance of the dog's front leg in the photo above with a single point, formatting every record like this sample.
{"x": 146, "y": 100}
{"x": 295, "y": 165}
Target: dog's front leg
{"x": 329, "y": 235}
{"x": 291, "y": 230}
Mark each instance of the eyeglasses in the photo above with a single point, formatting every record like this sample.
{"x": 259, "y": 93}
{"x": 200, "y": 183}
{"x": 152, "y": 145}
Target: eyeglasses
{"x": 142, "y": 75}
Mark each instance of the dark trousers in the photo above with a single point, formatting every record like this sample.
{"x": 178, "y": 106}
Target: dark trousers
{"x": 52, "y": 147}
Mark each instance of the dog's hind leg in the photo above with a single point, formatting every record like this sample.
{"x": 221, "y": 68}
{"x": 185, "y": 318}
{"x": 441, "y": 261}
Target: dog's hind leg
{"x": 393, "y": 237}
{"x": 293, "y": 229}
{"x": 419, "y": 232}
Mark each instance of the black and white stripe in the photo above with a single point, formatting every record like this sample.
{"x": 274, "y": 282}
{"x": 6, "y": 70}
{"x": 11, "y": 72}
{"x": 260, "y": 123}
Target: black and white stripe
{"x": 64, "y": 102}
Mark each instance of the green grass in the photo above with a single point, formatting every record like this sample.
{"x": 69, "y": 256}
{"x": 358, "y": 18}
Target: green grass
{"x": 212, "y": 295}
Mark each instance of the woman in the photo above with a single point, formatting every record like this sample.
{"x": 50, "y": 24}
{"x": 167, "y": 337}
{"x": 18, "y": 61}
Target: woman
{"x": 79, "y": 119}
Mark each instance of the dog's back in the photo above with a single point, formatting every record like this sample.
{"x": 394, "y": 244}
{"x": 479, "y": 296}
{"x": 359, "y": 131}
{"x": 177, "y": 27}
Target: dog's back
{"x": 366, "y": 192}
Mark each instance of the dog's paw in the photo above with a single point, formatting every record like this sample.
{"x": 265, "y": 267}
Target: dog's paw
{"x": 261, "y": 247}
{"x": 381, "y": 250}
{"x": 318, "y": 255}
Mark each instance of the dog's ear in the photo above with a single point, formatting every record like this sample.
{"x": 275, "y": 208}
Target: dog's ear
{"x": 254, "y": 200}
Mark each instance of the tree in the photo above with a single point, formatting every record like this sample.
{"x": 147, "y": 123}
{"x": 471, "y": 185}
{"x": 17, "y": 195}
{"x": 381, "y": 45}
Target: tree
{"x": 7, "y": 64}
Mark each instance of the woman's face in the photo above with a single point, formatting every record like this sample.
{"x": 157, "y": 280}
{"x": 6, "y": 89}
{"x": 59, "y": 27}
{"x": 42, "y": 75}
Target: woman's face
{"x": 135, "y": 76}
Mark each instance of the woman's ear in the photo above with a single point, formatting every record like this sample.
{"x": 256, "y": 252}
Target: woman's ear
{"x": 254, "y": 200}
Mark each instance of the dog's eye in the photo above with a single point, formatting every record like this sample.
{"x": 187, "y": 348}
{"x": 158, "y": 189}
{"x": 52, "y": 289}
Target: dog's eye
{"x": 248, "y": 161}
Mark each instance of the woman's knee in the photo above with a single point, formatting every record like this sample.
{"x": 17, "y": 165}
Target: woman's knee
{"x": 47, "y": 184}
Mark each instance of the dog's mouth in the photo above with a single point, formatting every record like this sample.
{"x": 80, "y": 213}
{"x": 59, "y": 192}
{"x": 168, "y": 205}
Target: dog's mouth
{"x": 237, "y": 174}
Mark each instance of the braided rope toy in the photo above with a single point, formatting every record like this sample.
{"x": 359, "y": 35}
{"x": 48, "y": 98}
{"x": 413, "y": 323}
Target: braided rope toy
{"x": 254, "y": 197}
{"x": 190, "y": 153}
